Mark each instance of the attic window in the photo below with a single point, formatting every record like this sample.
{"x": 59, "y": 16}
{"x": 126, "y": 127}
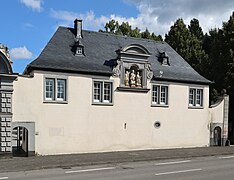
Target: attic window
{"x": 78, "y": 48}
{"x": 79, "y": 51}
{"x": 164, "y": 59}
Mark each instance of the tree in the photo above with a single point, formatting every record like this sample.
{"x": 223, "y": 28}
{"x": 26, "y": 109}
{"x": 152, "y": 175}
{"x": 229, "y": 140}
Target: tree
{"x": 125, "y": 29}
{"x": 112, "y": 26}
{"x": 146, "y": 34}
{"x": 135, "y": 33}
{"x": 178, "y": 37}
{"x": 195, "y": 29}
{"x": 187, "y": 44}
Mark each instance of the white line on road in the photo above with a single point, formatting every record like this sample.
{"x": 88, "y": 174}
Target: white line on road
{"x": 173, "y": 162}
{"x": 3, "y": 177}
{"x": 89, "y": 170}
{"x": 176, "y": 172}
{"x": 226, "y": 157}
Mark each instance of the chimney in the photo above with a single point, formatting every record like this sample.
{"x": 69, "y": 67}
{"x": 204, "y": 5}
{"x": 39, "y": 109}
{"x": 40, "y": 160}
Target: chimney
{"x": 78, "y": 28}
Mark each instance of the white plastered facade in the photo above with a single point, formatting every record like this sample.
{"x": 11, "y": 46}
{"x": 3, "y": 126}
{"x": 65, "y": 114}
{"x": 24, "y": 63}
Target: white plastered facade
{"x": 78, "y": 126}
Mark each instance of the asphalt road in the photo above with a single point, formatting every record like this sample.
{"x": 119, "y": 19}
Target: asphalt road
{"x": 215, "y": 168}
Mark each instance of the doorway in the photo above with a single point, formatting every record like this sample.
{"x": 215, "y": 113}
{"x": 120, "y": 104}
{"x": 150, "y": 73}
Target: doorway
{"x": 20, "y": 141}
{"x": 217, "y": 136}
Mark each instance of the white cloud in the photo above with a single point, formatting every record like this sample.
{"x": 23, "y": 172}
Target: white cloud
{"x": 161, "y": 14}
{"x": 34, "y": 4}
{"x": 20, "y": 53}
{"x": 158, "y": 15}
{"x": 90, "y": 22}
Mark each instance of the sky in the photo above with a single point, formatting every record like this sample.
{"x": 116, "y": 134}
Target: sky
{"x": 27, "y": 25}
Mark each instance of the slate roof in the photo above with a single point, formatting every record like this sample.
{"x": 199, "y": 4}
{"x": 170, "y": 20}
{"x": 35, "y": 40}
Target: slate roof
{"x": 100, "y": 53}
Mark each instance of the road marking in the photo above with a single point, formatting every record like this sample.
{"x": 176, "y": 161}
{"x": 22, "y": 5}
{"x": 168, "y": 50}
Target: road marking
{"x": 226, "y": 157}
{"x": 176, "y": 172}
{"x": 173, "y": 162}
{"x": 90, "y": 170}
{"x": 3, "y": 177}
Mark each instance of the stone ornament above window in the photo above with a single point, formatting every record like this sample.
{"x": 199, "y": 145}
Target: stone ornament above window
{"x": 116, "y": 71}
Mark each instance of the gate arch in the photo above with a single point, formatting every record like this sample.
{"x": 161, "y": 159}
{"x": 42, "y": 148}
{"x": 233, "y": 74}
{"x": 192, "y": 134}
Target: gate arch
{"x": 23, "y": 138}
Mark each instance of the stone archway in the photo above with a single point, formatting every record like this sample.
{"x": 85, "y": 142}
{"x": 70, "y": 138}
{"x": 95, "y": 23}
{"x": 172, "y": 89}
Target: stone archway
{"x": 23, "y": 138}
{"x": 20, "y": 141}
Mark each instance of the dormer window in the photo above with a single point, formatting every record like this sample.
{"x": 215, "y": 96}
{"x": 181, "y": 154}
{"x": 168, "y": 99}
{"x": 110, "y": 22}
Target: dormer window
{"x": 78, "y": 48}
{"x": 164, "y": 59}
{"x": 79, "y": 51}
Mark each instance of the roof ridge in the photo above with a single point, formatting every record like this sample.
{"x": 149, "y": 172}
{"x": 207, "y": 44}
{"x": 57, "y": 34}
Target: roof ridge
{"x": 117, "y": 35}
{"x": 121, "y": 36}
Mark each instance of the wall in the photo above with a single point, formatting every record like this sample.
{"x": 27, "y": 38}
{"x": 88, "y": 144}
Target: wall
{"x": 79, "y": 127}
{"x": 219, "y": 118}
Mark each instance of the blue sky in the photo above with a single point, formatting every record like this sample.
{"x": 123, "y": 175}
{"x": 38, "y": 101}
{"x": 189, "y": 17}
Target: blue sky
{"x": 27, "y": 25}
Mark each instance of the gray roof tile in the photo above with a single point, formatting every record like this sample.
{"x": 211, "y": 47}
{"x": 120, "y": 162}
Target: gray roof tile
{"x": 100, "y": 54}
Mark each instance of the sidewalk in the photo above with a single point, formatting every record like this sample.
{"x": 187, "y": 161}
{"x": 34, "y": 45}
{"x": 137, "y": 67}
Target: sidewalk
{"x": 70, "y": 160}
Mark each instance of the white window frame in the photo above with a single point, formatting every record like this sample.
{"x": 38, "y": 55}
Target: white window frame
{"x": 49, "y": 89}
{"x": 57, "y": 94}
{"x": 79, "y": 51}
{"x": 160, "y": 93}
{"x": 103, "y": 93}
{"x": 61, "y": 90}
{"x": 195, "y": 97}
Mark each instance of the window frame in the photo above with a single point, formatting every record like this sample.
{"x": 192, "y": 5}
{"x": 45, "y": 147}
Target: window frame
{"x": 195, "y": 99}
{"x": 102, "y": 92}
{"x": 157, "y": 95}
{"x": 79, "y": 50}
{"x": 55, "y": 98}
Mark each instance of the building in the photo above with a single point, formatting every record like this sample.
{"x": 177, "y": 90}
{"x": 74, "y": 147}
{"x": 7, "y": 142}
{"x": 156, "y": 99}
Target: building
{"x": 6, "y": 89}
{"x": 96, "y": 92}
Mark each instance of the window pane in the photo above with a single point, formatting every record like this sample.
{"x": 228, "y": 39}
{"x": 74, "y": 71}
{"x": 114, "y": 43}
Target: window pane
{"x": 97, "y": 92}
{"x": 155, "y": 94}
{"x": 107, "y": 92}
{"x": 61, "y": 89}
{"x": 163, "y": 98}
{"x": 191, "y": 97}
{"x": 199, "y": 97}
{"x": 49, "y": 89}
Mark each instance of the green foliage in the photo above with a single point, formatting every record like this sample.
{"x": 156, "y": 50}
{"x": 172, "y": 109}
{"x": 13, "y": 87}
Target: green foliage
{"x": 125, "y": 29}
{"x": 195, "y": 29}
{"x": 186, "y": 43}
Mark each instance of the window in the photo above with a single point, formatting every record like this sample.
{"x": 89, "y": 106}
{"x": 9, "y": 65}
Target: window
{"x": 102, "y": 92}
{"x": 55, "y": 89}
{"x": 49, "y": 91}
{"x": 160, "y": 95}
{"x": 61, "y": 84}
{"x": 79, "y": 51}
{"x": 195, "y": 97}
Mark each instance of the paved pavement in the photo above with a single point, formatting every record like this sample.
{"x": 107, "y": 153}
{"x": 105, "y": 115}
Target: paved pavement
{"x": 70, "y": 160}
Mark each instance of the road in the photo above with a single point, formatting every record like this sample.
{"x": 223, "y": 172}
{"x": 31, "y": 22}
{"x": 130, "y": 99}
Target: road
{"x": 214, "y": 168}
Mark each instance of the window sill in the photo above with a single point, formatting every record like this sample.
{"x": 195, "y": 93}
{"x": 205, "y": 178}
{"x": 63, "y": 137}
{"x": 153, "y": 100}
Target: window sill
{"x": 55, "y": 102}
{"x": 129, "y": 89}
{"x": 160, "y": 105}
{"x": 102, "y": 104}
{"x": 196, "y": 107}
